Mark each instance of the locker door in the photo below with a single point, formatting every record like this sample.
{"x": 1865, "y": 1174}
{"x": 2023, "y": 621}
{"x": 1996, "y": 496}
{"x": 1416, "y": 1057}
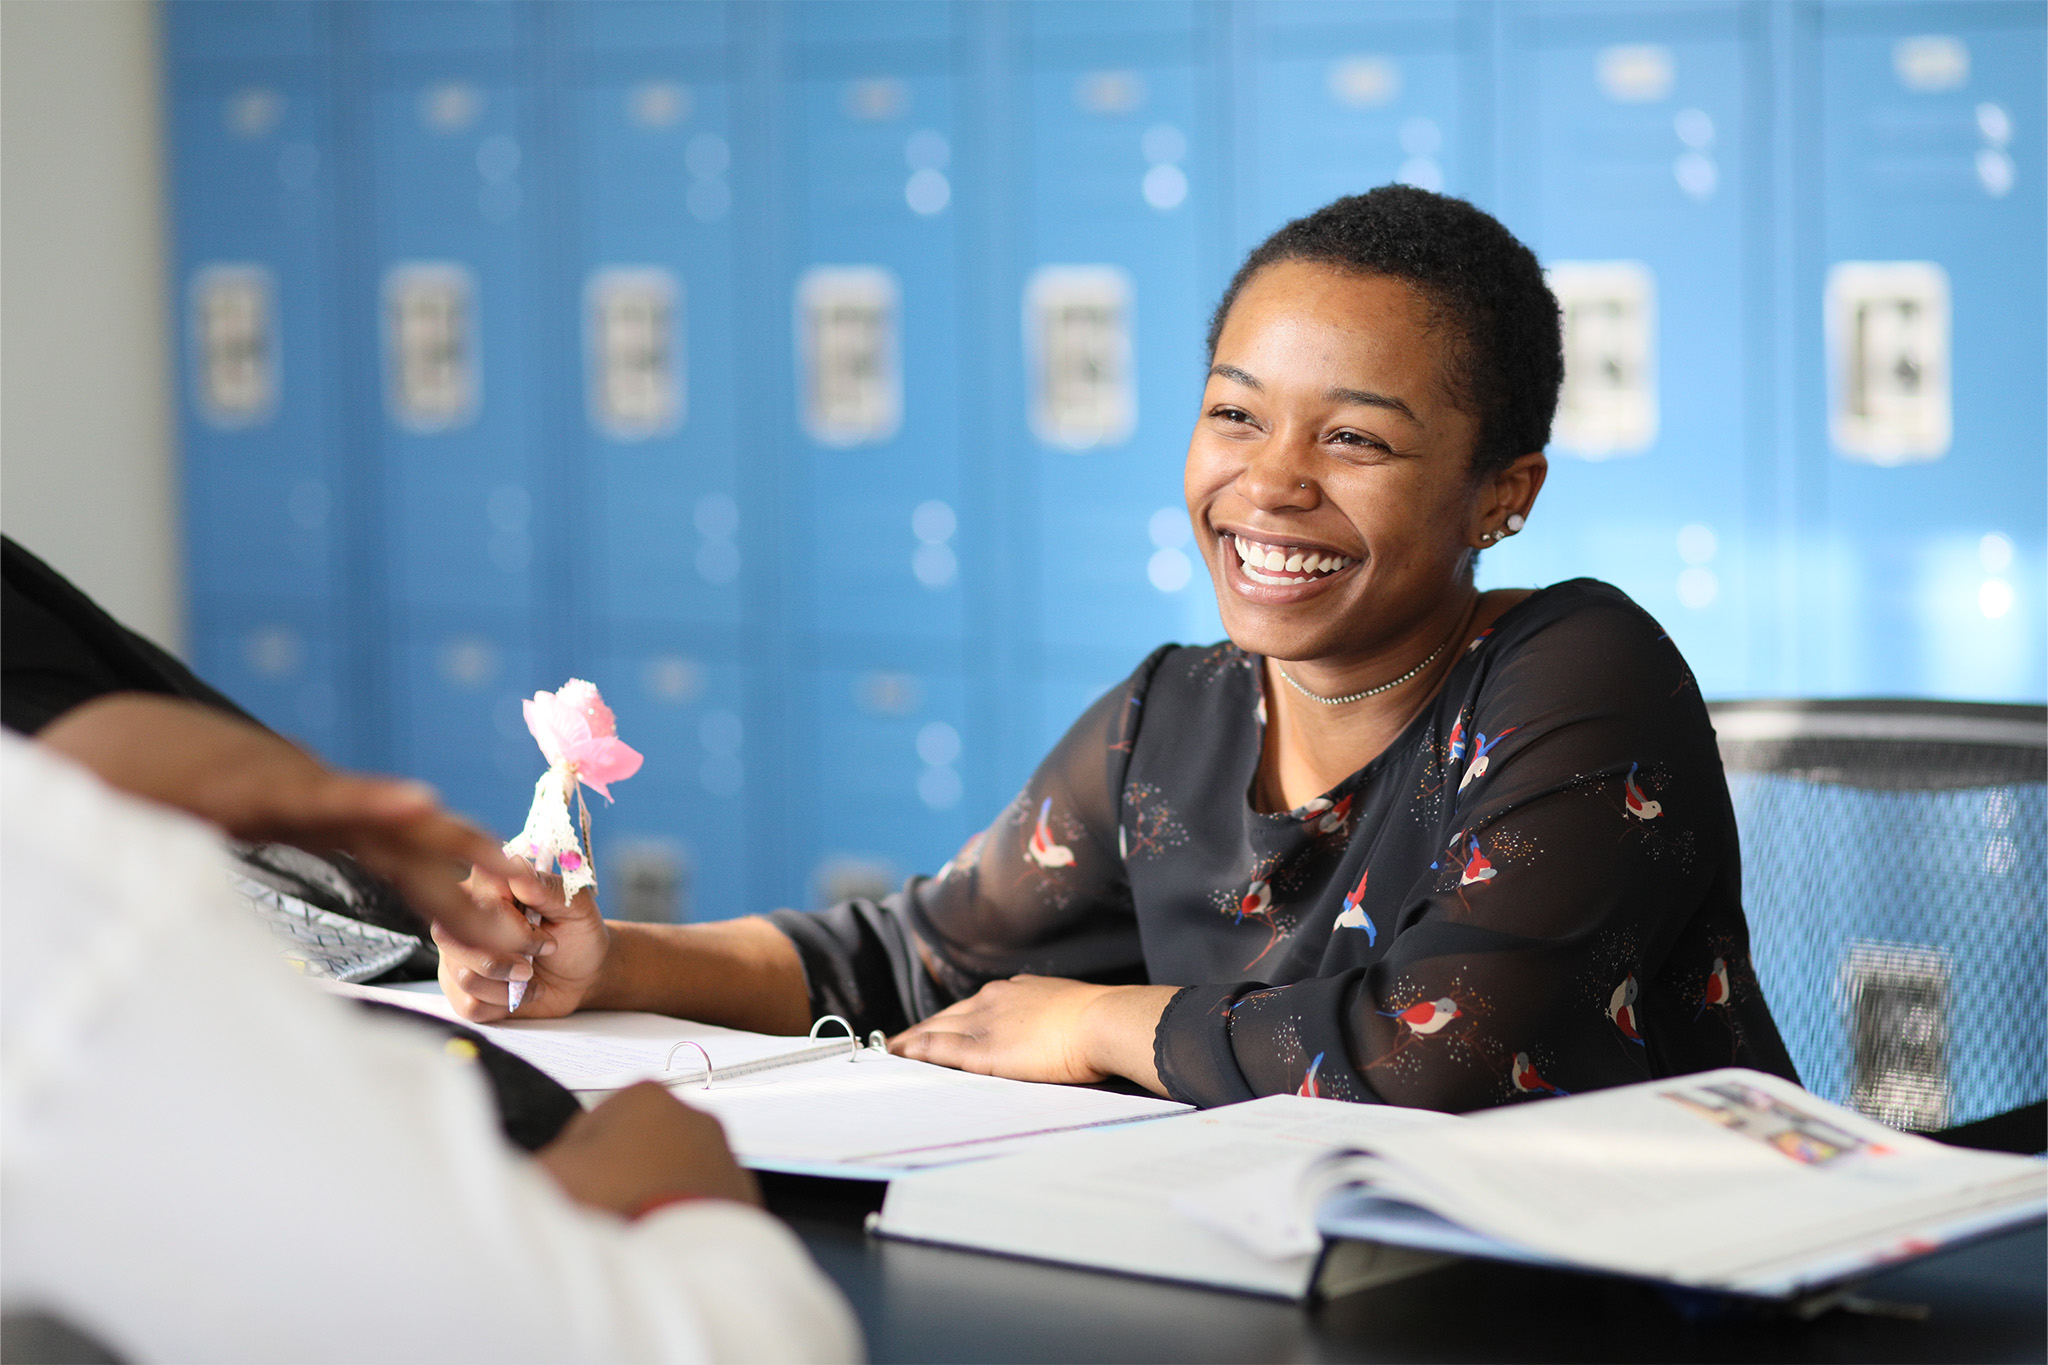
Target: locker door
{"x": 1340, "y": 98}
{"x": 254, "y": 272}
{"x": 252, "y": 194}
{"x": 876, "y": 549}
{"x": 459, "y": 679}
{"x": 1114, "y": 291}
{"x": 685, "y": 709}
{"x": 1626, "y": 171}
{"x": 466, "y": 507}
{"x": 891, "y": 744}
{"x": 657, "y": 430}
{"x": 1930, "y": 563}
{"x": 278, "y": 659}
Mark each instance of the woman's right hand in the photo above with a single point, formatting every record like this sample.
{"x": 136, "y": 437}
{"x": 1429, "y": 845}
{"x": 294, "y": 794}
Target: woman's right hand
{"x": 557, "y": 980}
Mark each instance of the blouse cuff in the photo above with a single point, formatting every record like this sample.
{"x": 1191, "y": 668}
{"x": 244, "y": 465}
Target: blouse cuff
{"x": 1191, "y": 1047}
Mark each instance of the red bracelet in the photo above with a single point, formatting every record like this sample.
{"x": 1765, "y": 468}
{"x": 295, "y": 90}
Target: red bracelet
{"x": 659, "y": 1201}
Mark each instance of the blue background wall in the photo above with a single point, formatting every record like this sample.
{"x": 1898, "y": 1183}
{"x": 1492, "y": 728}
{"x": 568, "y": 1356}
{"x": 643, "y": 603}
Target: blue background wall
{"x": 824, "y": 696}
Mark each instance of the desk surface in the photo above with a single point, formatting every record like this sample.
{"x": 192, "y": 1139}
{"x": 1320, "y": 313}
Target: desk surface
{"x": 1986, "y": 1302}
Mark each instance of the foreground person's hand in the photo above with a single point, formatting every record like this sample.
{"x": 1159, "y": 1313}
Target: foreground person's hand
{"x": 643, "y": 1146}
{"x": 555, "y": 978}
{"x": 259, "y": 787}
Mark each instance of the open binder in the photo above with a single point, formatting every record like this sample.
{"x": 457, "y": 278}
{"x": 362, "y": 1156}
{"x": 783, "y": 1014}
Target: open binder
{"x": 818, "y": 1105}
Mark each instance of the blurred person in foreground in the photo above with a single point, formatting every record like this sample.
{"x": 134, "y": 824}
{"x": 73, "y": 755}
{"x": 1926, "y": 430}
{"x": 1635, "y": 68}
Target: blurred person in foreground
{"x": 202, "y": 1158}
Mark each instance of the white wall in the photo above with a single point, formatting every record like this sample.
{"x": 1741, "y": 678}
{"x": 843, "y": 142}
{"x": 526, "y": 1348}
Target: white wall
{"x": 88, "y": 475}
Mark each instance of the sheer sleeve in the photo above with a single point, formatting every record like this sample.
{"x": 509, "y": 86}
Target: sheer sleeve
{"x": 1578, "y": 927}
{"x": 1041, "y": 890}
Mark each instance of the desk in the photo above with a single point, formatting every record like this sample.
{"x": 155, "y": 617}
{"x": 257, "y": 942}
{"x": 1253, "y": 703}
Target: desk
{"x": 919, "y": 1303}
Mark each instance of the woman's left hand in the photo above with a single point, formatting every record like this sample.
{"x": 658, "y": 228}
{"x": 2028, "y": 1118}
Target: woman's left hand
{"x": 1044, "y": 1028}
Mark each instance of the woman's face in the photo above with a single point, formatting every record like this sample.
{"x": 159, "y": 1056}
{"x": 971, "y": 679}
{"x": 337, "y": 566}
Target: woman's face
{"x": 1329, "y": 477}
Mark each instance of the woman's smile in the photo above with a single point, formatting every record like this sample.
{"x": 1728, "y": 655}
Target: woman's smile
{"x": 1277, "y": 569}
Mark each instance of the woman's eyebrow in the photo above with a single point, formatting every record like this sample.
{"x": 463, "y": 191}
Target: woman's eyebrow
{"x": 1231, "y": 372}
{"x": 1374, "y": 400}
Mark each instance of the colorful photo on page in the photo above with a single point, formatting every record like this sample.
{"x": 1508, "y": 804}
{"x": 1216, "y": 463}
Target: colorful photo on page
{"x": 1763, "y": 1117}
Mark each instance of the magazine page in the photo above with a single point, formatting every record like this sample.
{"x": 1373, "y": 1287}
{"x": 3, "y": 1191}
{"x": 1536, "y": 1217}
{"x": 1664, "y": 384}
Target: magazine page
{"x": 1724, "y": 1178}
{"x": 1130, "y": 1199}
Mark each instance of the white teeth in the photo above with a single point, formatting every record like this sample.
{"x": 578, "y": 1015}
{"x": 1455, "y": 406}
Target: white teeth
{"x": 1275, "y": 561}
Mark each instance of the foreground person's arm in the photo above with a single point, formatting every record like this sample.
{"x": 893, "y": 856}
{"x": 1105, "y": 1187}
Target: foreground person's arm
{"x": 259, "y": 787}
{"x": 740, "y": 973}
{"x": 293, "y": 1151}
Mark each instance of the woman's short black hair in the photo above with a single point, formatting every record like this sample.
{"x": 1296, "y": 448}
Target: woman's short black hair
{"x": 1506, "y": 354}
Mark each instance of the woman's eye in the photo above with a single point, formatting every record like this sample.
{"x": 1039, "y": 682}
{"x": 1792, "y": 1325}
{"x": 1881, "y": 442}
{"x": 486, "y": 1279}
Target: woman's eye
{"x": 1359, "y": 439}
{"x": 1225, "y": 413}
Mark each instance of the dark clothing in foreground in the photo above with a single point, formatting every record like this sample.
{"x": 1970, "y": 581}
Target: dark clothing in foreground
{"x": 1535, "y": 890}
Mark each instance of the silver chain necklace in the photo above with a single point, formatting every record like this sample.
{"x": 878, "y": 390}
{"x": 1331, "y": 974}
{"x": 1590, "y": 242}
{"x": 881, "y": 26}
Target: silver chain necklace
{"x": 1370, "y": 691}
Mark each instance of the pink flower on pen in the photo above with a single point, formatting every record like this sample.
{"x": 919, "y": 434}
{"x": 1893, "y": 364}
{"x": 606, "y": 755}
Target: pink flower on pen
{"x": 577, "y": 730}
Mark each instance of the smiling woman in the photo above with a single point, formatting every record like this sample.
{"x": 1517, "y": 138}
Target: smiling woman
{"x": 1395, "y": 840}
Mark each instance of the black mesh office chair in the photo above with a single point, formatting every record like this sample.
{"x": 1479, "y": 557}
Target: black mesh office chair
{"x": 1893, "y": 870}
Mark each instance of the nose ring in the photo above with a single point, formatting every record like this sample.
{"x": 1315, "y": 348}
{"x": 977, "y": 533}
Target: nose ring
{"x": 1304, "y": 483}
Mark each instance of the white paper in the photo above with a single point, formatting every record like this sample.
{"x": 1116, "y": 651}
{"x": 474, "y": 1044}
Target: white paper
{"x": 876, "y": 1111}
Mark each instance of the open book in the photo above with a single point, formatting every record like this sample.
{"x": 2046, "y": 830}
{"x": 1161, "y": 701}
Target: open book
{"x": 852, "y": 1111}
{"x": 1729, "y": 1181}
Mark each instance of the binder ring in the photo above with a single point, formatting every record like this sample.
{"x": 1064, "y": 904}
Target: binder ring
{"x": 669, "y": 1064}
{"x": 852, "y": 1038}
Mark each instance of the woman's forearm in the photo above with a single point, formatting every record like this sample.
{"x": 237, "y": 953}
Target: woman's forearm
{"x": 1119, "y": 1026}
{"x": 741, "y": 973}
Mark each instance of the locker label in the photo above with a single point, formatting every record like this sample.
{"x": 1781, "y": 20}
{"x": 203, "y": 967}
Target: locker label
{"x": 1608, "y": 406}
{"x": 848, "y": 354}
{"x": 234, "y": 344}
{"x": 1636, "y": 73}
{"x": 430, "y": 345}
{"x": 1888, "y": 351}
{"x": 1077, "y": 341}
{"x": 635, "y": 372}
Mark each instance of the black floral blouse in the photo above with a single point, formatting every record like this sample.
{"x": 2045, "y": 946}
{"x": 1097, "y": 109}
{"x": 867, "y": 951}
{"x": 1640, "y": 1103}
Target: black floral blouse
{"x": 1535, "y": 890}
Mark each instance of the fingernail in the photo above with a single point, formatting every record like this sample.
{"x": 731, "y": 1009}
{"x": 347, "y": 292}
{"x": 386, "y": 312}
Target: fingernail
{"x": 514, "y": 993}
{"x": 545, "y": 949}
{"x": 520, "y": 971}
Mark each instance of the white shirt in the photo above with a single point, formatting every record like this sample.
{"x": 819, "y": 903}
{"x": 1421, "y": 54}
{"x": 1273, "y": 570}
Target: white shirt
{"x": 204, "y": 1157}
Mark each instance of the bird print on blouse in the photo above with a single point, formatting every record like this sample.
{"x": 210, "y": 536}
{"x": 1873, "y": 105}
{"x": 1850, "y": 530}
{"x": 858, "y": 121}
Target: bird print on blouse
{"x": 1325, "y": 816}
{"x": 1528, "y": 1081}
{"x": 1427, "y": 1016}
{"x": 1480, "y": 762}
{"x": 1353, "y": 915}
{"x": 1717, "y": 991}
{"x": 1621, "y": 1008}
{"x": 1640, "y": 806}
{"x": 1309, "y": 1089}
{"x": 1043, "y": 849}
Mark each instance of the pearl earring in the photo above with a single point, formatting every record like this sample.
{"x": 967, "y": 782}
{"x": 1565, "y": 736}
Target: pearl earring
{"x": 1515, "y": 523}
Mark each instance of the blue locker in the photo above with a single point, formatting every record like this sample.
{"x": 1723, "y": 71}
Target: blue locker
{"x": 448, "y": 26}
{"x": 468, "y": 507}
{"x": 650, "y": 192}
{"x": 636, "y": 27}
{"x": 1925, "y": 579}
{"x": 683, "y": 703}
{"x": 892, "y": 737}
{"x": 459, "y": 680}
{"x": 253, "y": 161}
{"x": 1338, "y": 98}
{"x": 280, "y": 660}
{"x": 1628, "y": 141}
{"x": 210, "y": 30}
{"x": 1115, "y": 173}
{"x": 877, "y": 533}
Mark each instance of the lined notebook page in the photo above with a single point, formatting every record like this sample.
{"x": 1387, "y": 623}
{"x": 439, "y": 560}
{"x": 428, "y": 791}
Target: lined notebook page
{"x": 878, "y": 1112}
